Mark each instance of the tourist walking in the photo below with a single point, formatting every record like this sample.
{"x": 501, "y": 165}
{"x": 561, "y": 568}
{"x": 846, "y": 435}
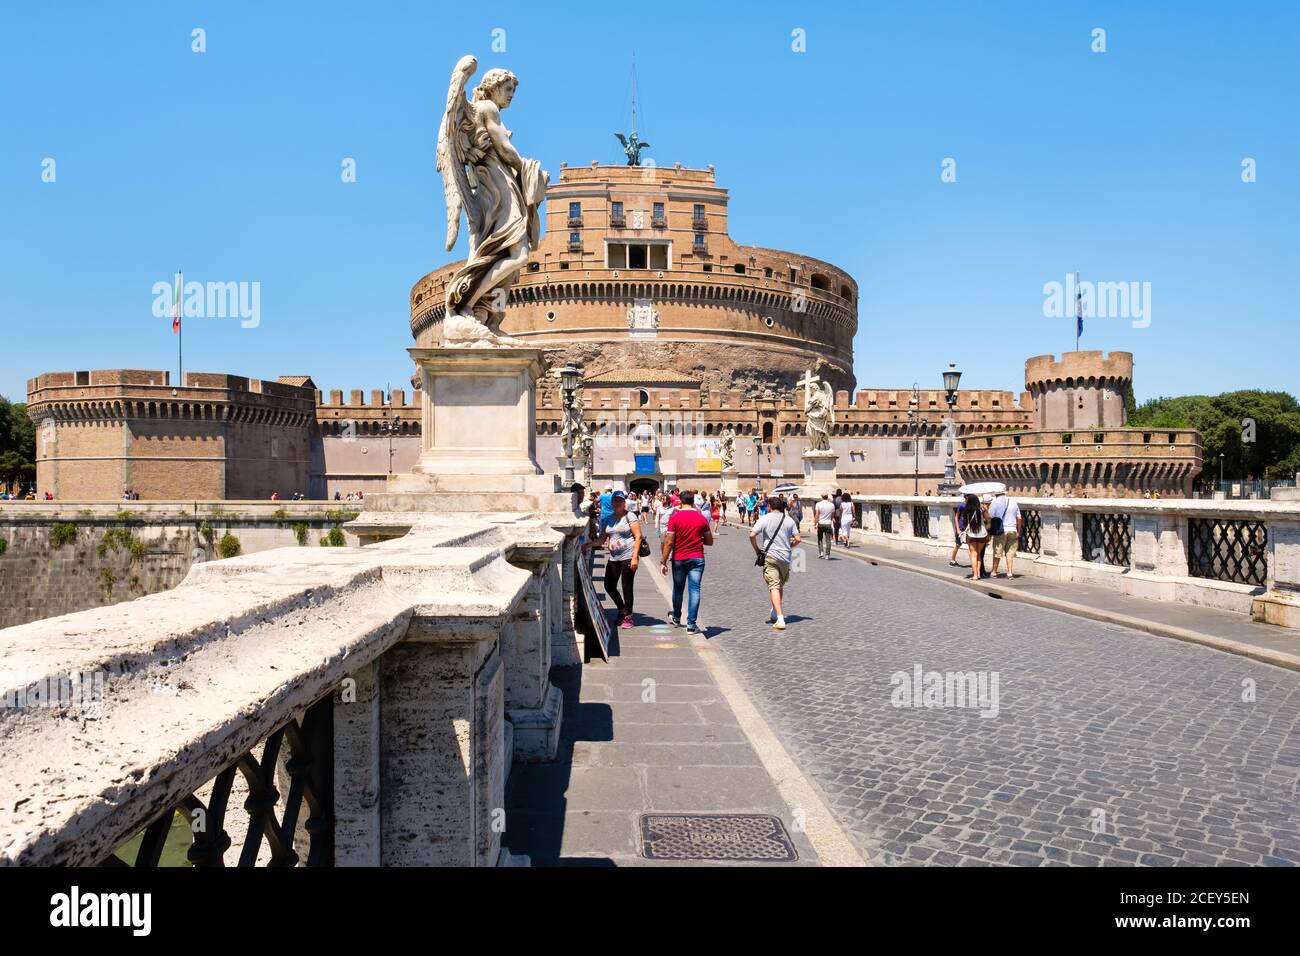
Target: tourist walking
{"x": 824, "y": 516}
{"x": 846, "y": 520}
{"x": 620, "y": 536}
{"x": 1004, "y": 528}
{"x": 794, "y": 508}
{"x": 774, "y": 538}
{"x": 607, "y": 502}
{"x": 977, "y": 535}
{"x": 959, "y": 533}
{"x": 683, "y": 545}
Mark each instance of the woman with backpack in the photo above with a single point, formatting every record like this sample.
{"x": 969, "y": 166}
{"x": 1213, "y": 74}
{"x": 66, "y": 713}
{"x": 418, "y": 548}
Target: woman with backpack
{"x": 977, "y": 534}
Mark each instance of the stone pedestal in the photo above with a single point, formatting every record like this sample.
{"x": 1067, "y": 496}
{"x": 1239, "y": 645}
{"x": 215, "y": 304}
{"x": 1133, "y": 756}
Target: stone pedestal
{"x": 478, "y": 438}
{"x": 730, "y": 483}
{"x": 819, "y": 473}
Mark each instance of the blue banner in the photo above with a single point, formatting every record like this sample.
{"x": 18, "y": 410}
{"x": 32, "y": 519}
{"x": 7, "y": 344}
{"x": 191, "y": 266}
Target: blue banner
{"x": 645, "y": 464}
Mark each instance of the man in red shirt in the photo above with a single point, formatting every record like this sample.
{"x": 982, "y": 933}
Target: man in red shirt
{"x": 684, "y": 540}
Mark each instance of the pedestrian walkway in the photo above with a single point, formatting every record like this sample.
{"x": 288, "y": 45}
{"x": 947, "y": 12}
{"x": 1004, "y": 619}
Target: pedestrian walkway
{"x": 1223, "y": 630}
{"x": 653, "y": 732}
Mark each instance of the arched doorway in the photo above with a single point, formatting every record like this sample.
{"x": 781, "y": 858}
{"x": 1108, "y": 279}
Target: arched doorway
{"x": 638, "y": 484}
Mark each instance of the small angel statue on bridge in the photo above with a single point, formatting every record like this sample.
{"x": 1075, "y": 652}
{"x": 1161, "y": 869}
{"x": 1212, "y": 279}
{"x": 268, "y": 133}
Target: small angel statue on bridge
{"x": 499, "y": 192}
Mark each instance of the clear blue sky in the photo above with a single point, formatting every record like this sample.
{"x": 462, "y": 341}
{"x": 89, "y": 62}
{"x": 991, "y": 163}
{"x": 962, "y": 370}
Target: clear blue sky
{"x": 1125, "y": 166}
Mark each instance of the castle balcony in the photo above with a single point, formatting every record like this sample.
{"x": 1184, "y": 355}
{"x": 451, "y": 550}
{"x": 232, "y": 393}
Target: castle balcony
{"x": 658, "y": 222}
{"x": 575, "y": 222}
{"x": 616, "y": 222}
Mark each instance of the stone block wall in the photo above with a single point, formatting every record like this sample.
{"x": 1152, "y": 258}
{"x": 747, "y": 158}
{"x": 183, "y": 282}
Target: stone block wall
{"x": 40, "y": 579}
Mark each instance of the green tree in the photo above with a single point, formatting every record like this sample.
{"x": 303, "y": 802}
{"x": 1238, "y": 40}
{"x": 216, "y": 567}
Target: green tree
{"x": 17, "y": 444}
{"x": 1257, "y": 433}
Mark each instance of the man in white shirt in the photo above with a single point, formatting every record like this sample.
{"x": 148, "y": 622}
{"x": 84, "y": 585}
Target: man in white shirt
{"x": 774, "y": 538}
{"x": 824, "y": 515}
{"x": 1004, "y": 507}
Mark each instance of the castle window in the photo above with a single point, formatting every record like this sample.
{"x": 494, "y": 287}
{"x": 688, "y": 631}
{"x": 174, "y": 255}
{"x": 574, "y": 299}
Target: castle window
{"x": 616, "y": 214}
{"x": 767, "y": 272}
{"x": 659, "y": 221}
{"x": 534, "y": 266}
{"x": 819, "y": 282}
{"x": 740, "y": 268}
{"x": 642, "y": 397}
{"x": 707, "y": 267}
{"x": 575, "y": 214}
{"x": 698, "y": 216}
{"x": 932, "y": 446}
{"x": 794, "y": 274}
{"x": 575, "y": 242}
{"x": 905, "y": 447}
{"x": 636, "y": 255}
{"x": 768, "y": 428}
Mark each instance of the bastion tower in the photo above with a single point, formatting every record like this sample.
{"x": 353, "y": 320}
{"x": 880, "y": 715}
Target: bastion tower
{"x": 1080, "y": 390}
{"x": 636, "y": 271}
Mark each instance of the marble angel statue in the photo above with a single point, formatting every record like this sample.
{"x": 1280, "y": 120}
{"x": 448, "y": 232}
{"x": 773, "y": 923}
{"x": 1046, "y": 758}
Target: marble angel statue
{"x": 819, "y": 409}
{"x": 499, "y": 192}
{"x": 727, "y": 449}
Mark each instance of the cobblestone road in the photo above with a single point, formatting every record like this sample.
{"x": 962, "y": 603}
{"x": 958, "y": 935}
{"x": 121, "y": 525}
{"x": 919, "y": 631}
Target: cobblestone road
{"x": 1108, "y": 745}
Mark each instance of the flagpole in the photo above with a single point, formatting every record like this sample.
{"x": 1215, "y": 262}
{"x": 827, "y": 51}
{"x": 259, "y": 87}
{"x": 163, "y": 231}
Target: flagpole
{"x": 180, "y": 335}
{"x": 1078, "y": 310}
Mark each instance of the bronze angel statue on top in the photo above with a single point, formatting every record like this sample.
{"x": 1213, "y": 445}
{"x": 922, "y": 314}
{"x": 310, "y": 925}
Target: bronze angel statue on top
{"x": 500, "y": 193}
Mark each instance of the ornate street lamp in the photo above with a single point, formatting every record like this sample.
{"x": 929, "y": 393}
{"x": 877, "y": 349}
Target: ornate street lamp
{"x": 570, "y": 378}
{"x": 951, "y": 379}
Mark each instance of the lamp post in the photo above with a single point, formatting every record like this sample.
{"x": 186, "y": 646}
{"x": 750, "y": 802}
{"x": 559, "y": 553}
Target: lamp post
{"x": 913, "y": 410}
{"x": 569, "y": 379}
{"x": 951, "y": 379}
{"x": 758, "y": 460}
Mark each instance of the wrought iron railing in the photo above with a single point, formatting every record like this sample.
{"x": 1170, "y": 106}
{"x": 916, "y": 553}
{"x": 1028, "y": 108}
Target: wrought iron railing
{"x": 1031, "y": 531}
{"x": 1107, "y": 539}
{"x": 1228, "y": 550}
{"x": 921, "y": 521}
{"x": 310, "y": 767}
{"x": 886, "y": 518}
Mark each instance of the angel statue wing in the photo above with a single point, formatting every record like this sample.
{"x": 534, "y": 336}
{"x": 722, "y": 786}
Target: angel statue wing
{"x": 622, "y": 139}
{"x": 456, "y": 153}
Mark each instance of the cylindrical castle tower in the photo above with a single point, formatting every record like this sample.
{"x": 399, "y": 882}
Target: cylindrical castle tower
{"x": 1080, "y": 390}
{"x": 636, "y": 270}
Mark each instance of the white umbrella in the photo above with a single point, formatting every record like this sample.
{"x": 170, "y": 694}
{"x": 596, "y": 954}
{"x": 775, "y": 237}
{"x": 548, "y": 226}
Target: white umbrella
{"x": 786, "y": 488}
{"x": 982, "y": 488}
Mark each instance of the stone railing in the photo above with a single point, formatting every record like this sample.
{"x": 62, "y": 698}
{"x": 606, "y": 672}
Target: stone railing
{"x": 1234, "y": 555}
{"x": 326, "y": 706}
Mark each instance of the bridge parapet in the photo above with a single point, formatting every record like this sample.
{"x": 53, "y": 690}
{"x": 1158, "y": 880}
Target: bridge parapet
{"x": 1241, "y": 556}
{"x": 258, "y": 682}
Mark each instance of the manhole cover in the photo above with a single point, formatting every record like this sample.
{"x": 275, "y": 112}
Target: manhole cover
{"x": 715, "y": 836}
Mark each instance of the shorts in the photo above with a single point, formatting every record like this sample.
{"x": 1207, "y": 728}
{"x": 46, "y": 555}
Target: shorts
{"x": 775, "y": 573}
{"x": 1006, "y": 544}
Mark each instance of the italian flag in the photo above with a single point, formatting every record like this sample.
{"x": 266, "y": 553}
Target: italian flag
{"x": 176, "y": 306}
